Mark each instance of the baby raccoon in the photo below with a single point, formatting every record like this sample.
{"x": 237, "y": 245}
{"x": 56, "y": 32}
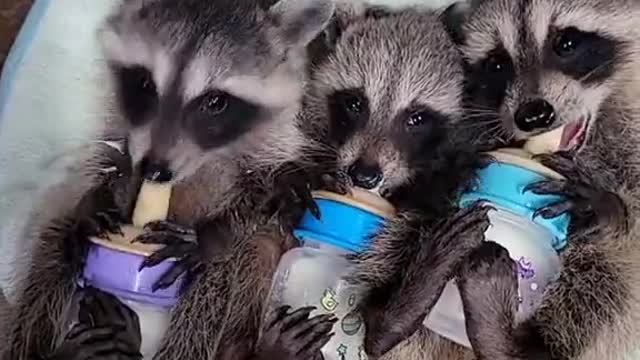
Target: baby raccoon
{"x": 208, "y": 91}
{"x": 534, "y": 66}
{"x": 387, "y": 102}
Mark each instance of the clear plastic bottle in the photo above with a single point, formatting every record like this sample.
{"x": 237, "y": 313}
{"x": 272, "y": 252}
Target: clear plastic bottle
{"x": 311, "y": 275}
{"x": 533, "y": 243}
{"x": 113, "y": 266}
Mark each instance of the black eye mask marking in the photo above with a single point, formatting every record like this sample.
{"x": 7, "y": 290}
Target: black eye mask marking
{"x": 136, "y": 92}
{"x": 349, "y": 111}
{"x": 488, "y": 79}
{"x": 418, "y": 131}
{"x": 217, "y": 118}
{"x": 584, "y": 56}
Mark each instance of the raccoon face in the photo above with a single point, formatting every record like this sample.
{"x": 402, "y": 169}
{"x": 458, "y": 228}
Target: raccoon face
{"x": 388, "y": 94}
{"x": 199, "y": 80}
{"x": 542, "y": 64}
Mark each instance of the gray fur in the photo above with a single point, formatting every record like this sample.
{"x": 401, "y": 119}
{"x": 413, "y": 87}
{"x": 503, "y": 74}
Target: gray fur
{"x": 591, "y": 312}
{"x": 400, "y": 59}
{"x": 524, "y": 29}
{"x": 252, "y": 50}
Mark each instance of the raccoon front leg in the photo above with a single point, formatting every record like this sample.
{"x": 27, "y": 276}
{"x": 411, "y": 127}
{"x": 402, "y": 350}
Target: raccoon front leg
{"x": 293, "y": 335}
{"x": 488, "y": 286}
{"x": 583, "y": 199}
{"x": 58, "y": 256}
{"x": 291, "y": 195}
{"x": 394, "y": 313}
{"x": 107, "y": 330}
{"x": 102, "y": 309}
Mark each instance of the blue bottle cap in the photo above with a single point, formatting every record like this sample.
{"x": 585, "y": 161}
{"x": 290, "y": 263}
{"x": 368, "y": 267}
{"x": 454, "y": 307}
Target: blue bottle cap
{"x": 503, "y": 185}
{"x": 341, "y": 225}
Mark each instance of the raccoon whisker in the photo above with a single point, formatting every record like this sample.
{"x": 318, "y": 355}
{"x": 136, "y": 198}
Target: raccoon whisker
{"x": 597, "y": 68}
{"x": 495, "y": 129}
{"x": 482, "y": 124}
{"x": 477, "y": 108}
{"x": 483, "y": 118}
{"x": 480, "y": 112}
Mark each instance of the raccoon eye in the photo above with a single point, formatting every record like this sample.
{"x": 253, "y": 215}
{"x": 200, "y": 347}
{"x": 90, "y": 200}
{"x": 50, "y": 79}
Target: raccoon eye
{"x": 566, "y": 42}
{"x": 416, "y": 119}
{"x": 214, "y": 104}
{"x": 353, "y": 104}
{"x": 496, "y": 63}
{"x": 145, "y": 82}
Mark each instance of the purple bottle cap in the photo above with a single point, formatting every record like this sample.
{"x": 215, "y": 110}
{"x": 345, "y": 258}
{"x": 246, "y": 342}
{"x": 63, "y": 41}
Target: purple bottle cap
{"x": 116, "y": 272}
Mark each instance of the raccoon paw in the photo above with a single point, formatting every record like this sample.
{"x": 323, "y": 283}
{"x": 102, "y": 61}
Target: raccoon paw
{"x": 292, "y": 194}
{"x": 294, "y": 336}
{"x": 179, "y": 242}
{"x": 98, "y": 224}
{"x": 488, "y": 286}
{"x": 85, "y": 342}
{"x": 339, "y": 182}
{"x": 101, "y": 223}
{"x": 463, "y": 232}
{"x": 97, "y": 212}
{"x": 583, "y": 201}
{"x": 100, "y": 309}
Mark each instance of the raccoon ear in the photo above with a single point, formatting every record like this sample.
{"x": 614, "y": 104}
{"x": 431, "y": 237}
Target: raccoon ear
{"x": 300, "y": 21}
{"x": 455, "y": 15}
{"x": 346, "y": 13}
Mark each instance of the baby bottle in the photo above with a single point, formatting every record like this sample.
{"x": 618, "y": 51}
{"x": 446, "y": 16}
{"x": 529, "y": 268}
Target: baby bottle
{"x": 533, "y": 243}
{"x": 311, "y": 275}
{"x": 113, "y": 266}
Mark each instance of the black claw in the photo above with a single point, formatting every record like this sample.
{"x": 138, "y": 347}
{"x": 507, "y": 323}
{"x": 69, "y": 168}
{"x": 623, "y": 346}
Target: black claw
{"x": 338, "y": 182}
{"x": 183, "y": 266}
{"x": 318, "y": 343}
{"x": 161, "y": 238}
{"x": 276, "y": 316}
{"x": 550, "y": 187}
{"x": 316, "y": 326}
{"x": 159, "y": 256}
{"x": 295, "y": 317}
{"x": 167, "y": 226}
{"x": 313, "y": 208}
{"x": 554, "y": 210}
{"x": 87, "y": 334}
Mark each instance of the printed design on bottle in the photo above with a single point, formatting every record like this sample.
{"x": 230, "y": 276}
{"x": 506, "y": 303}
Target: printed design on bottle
{"x": 352, "y": 323}
{"x": 342, "y": 351}
{"x": 328, "y": 301}
{"x": 525, "y": 268}
{"x": 352, "y": 300}
{"x": 362, "y": 355}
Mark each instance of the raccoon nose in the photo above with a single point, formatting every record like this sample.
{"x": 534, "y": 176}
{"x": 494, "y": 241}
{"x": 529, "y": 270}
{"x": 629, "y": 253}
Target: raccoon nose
{"x": 365, "y": 175}
{"x": 535, "y": 114}
{"x": 155, "y": 171}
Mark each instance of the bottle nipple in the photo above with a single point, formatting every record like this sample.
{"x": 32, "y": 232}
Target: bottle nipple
{"x": 152, "y": 204}
{"x": 545, "y": 143}
{"x": 362, "y": 199}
